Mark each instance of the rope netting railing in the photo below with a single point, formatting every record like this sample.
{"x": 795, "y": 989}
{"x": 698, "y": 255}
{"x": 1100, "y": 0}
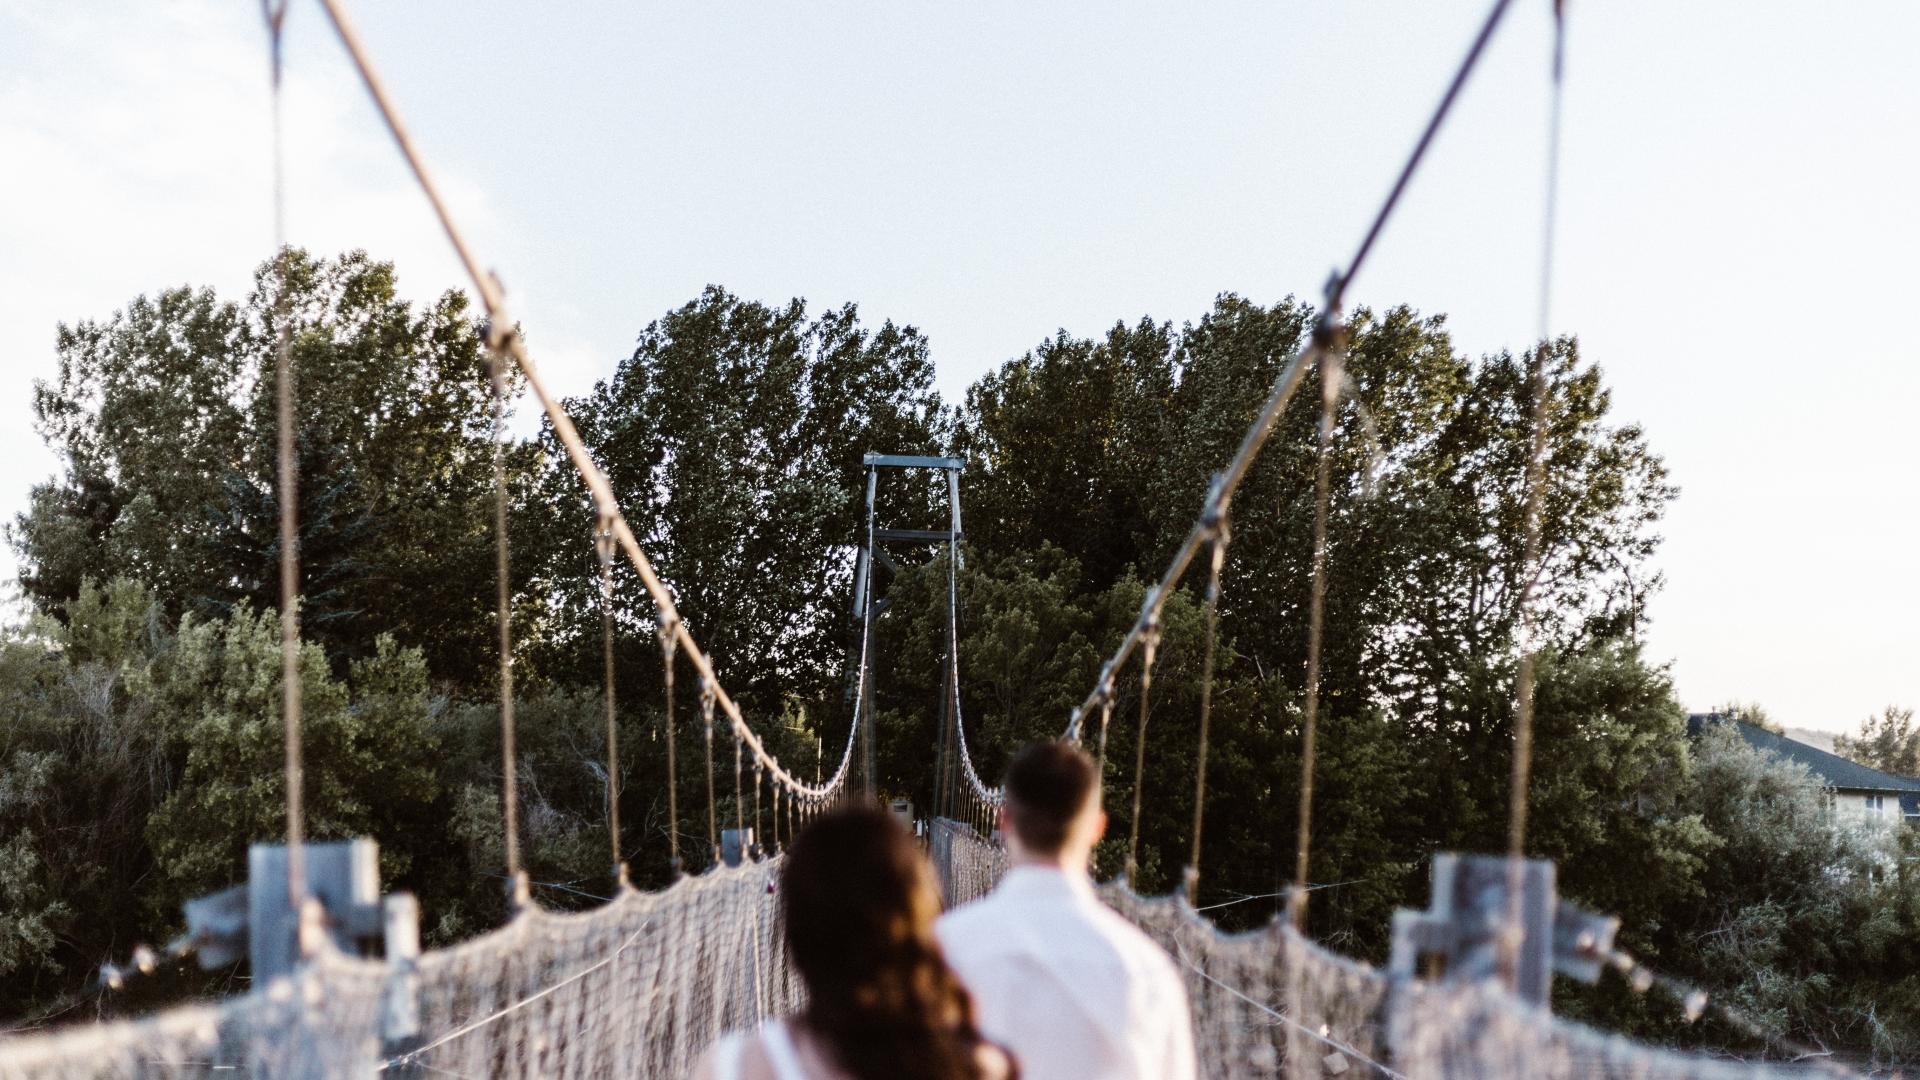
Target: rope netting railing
{"x": 1269, "y": 1002}
{"x": 637, "y": 987}
{"x": 967, "y": 865}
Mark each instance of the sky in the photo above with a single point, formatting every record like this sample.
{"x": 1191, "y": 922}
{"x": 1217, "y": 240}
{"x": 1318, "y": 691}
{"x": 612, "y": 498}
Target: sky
{"x": 1737, "y": 217}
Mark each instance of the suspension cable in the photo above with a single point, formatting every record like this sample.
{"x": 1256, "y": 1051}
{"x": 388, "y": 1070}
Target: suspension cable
{"x": 294, "y": 776}
{"x": 508, "y": 340}
{"x": 1520, "y": 780}
{"x": 1323, "y": 338}
{"x": 1326, "y": 335}
{"x": 987, "y": 796}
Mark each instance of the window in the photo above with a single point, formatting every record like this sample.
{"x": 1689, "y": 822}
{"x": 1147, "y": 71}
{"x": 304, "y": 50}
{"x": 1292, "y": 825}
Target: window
{"x": 1873, "y": 803}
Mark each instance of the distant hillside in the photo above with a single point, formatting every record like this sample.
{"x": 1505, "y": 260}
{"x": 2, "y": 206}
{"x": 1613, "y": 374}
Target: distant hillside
{"x": 1821, "y": 739}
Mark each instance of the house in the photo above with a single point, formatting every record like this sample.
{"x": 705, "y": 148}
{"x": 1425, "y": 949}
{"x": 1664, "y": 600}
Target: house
{"x": 1872, "y": 795}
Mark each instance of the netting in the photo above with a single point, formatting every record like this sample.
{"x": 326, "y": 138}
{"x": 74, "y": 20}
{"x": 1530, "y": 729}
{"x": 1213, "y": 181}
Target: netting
{"x": 271, "y": 1033}
{"x": 967, "y": 864}
{"x": 637, "y": 987}
{"x": 640, "y": 986}
{"x": 1265, "y": 1002}
{"x": 1271, "y": 1003}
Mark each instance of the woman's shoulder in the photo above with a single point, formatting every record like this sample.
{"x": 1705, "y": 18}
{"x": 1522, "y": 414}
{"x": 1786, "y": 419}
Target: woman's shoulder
{"x": 721, "y": 1061}
{"x": 737, "y": 1055}
{"x": 996, "y": 1063}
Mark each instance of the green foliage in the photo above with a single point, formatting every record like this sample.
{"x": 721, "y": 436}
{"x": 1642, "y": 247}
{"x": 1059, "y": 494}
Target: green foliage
{"x": 163, "y": 417}
{"x": 1750, "y": 712}
{"x": 733, "y": 437}
{"x": 369, "y": 757}
{"x": 84, "y": 762}
{"x": 140, "y": 730}
{"x": 138, "y": 751}
{"x": 1889, "y": 741}
{"x": 1611, "y": 780}
{"x": 1102, "y": 449}
{"x": 1807, "y": 916}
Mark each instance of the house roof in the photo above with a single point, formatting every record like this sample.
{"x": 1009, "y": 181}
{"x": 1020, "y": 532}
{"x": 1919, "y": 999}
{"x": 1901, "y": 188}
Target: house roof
{"x": 1835, "y": 771}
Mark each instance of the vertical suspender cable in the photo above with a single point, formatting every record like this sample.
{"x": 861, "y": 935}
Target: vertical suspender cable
{"x": 1149, "y": 645}
{"x": 1106, "y": 721}
{"x": 289, "y": 489}
{"x": 603, "y": 547}
{"x": 503, "y": 599}
{"x": 739, "y": 794}
{"x": 1530, "y": 568}
{"x": 952, "y": 674}
{"x": 1316, "y": 618}
{"x": 1219, "y": 556}
{"x": 1327, "y": 339}
{"x": 669, "y": 648}
{"x": 706, "y": 719}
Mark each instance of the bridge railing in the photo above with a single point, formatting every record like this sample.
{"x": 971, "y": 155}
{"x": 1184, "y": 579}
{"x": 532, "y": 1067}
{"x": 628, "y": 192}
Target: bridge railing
{"x": 636, "y": 987}
{"x": 1270, "y": 1002}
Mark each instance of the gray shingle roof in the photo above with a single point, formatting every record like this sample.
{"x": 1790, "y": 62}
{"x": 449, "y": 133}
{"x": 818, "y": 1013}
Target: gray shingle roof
{"x": 1837, "y": 772}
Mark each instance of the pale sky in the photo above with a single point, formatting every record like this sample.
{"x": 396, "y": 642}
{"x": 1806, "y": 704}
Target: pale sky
{"x": 1738, "y": 217}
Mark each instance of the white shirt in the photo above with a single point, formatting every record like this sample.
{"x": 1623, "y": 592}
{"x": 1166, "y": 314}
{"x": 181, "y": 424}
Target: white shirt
{"x": 1074, "y": 990}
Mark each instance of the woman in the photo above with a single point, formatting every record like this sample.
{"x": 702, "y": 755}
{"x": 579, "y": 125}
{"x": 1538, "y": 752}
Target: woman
{"x": 859, "y": 902}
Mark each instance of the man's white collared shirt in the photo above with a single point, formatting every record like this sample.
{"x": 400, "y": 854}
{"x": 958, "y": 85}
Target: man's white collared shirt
{"x": 1074, "y": 990}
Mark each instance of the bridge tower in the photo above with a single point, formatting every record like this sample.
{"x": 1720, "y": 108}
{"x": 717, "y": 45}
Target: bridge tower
{"x": 867, "y": 607}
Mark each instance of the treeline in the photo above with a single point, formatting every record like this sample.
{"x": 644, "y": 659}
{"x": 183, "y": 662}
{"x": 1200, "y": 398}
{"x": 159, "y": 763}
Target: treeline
{"x": 139, "y": 723}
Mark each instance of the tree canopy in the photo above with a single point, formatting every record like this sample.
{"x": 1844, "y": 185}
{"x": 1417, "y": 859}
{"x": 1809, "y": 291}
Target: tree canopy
{"x": 139, "y": 710}
{"x": 163, "y": 419}
{"x": 1888, "y": 741}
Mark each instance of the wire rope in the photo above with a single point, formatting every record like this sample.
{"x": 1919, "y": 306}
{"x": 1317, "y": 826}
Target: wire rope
{"x": 288, "y": 490}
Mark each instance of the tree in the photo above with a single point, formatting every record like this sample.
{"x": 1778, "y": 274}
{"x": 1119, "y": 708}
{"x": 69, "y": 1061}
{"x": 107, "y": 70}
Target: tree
{"x": 1750, "y": 712}
{"x": 1104, "y": 448}
{"x": 1889, "y": 742}
{"x": 369, "y": 757}
{"x": 164, "y": 417}
{"x": 1609, "y": 799}
{"x": 1807, "y": 922}
{"x": 733, "y": 438}
{"x": 1096, "y": 411}
{"x": 141, "y": 757}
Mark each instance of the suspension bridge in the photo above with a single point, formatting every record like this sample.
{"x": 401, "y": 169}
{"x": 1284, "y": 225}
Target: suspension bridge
{"x": 642, "y": 984}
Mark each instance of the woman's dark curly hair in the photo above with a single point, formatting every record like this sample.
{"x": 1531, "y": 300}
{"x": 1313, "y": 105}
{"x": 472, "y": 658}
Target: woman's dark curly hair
{"x": 859, "y": 901}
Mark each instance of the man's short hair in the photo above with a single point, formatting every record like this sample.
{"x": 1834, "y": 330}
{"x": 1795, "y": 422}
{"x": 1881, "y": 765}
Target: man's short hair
{"x": 1049, "y": 784}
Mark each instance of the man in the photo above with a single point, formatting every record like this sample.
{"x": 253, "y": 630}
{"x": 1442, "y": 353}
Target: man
{"x": 1074, "y": 990}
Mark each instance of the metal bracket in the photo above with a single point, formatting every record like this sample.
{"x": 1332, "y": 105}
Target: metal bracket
{"x": 912, "y": 461}
{"x": 735, "y": 845}
{"x": 1466, "y": 920}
